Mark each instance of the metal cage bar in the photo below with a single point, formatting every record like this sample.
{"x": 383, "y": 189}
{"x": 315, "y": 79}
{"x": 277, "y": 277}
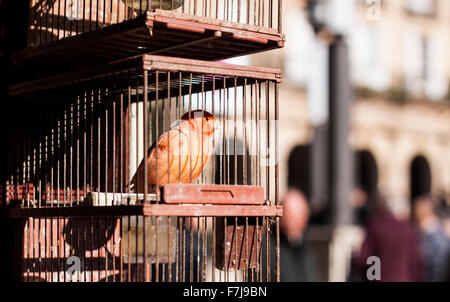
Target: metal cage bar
{"x": 82, "y": 33}
{"x": 52, "y": 20}
{"x": 103, "y": 200}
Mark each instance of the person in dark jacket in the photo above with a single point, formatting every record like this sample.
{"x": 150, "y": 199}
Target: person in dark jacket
{"x": 296, "y": 262}
{"x": 435, "y": 244}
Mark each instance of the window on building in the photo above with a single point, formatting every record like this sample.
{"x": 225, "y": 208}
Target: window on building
{"x": 424, "y": 72}
{"x": 414, "y": 70}
{"x": 297, "y": 53}
{"x": 369, "y": 48}
{"x": 436, "y": 87}
{"x": 421, "y": 7}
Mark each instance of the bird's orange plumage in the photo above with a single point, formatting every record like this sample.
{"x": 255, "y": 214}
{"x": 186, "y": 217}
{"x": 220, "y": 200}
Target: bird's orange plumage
{"x": 180, "y": 154}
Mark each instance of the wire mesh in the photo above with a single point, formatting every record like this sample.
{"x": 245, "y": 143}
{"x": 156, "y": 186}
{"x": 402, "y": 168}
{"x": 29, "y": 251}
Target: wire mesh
{"x": 118, "y": 136}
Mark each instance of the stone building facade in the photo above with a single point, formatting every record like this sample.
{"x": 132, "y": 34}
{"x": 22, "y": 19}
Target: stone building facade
{"x": 401, "y": 109}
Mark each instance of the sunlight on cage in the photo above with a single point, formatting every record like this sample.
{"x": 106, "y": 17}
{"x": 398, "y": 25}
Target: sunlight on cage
{"x": 51, "y": 20}
{"x": 82, "y": 141}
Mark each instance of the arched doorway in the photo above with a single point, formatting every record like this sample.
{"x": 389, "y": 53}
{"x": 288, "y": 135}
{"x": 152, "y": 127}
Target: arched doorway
{"x": 366, "y": 171}
{"x": 420, "y": 177}
{"x": 366, "y": 180}
{"x": 299, "y": 169}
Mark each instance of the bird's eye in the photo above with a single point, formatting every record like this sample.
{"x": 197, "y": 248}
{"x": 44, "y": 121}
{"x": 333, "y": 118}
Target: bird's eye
{"x": 207, "y": 119}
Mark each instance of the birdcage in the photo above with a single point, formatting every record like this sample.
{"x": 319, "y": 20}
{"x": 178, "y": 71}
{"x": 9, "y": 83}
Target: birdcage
{"x": 150, "y": 168}
{"x": 87, "y": 32}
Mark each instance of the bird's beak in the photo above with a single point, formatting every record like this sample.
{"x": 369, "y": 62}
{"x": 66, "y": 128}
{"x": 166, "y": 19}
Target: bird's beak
{"x": 215, "y": 125}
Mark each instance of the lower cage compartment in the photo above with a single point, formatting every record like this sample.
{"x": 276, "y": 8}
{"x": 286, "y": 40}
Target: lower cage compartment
{"x": 100, "y": 158}
{"x": 176, "y": 249}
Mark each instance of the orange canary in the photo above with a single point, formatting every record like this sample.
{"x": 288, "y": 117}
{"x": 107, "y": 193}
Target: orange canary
{"x": 180, "y": 154}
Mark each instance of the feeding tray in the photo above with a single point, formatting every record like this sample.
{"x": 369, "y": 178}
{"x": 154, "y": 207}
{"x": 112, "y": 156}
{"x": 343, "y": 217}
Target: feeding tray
{"x": 213, "y": 194}
{"x": 184, "y": 200}
{"x": 161, "y": 246}
{"x": 238, "y": 242}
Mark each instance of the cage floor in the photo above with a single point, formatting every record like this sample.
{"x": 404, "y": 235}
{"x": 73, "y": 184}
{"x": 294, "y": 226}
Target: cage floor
{"x": 221, "y": 70}
{"x": 180, "y": 210}
{"x": 155, "y": 32}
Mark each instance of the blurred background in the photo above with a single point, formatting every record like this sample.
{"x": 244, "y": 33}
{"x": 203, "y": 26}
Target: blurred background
{"x": 365, "y": 120}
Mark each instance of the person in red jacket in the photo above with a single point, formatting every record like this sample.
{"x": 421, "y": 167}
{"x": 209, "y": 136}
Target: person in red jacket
{"x": 394, "y": 242}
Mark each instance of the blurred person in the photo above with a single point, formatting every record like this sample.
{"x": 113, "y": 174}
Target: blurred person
{"x": 394, "y": 242}
{"x": 296, "y": 263}
{"x": 359, "y": 200}
{"x": 447, "y": 277}
{"x": 443, "y": 211}
{"x": 446, "y": 226}
{"x": 435, "y": 244}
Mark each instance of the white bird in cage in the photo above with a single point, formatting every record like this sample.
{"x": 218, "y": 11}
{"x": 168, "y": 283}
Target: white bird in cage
{"x": 180, "y": 154}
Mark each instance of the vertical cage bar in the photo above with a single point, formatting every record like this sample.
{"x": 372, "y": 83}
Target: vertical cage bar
{"x": 156, "y": 172}
{"x": 128, "y": 179}
{"x": 280, "y": 15}
{"x": 277, "y": 181}
{"x": 145, "y": 153}
{"x": 191, "y": 250}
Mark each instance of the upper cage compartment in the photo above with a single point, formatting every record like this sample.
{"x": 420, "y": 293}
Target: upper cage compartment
{"x": 90, "y": 131}
{"x": 86, "y": 32}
